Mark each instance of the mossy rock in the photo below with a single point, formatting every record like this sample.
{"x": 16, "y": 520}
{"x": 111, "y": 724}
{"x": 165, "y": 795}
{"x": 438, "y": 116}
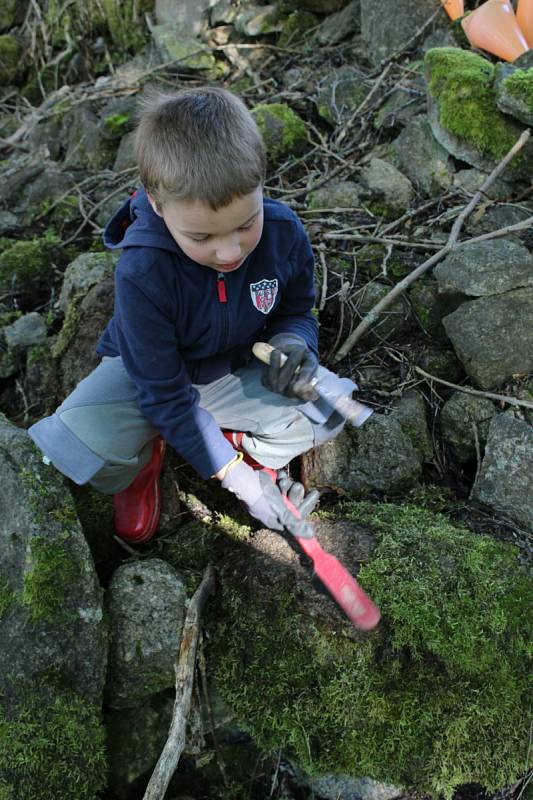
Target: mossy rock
{"x": 52, "y": 746}
{"x": 295, "y": 27}
{"x": 514, "y": 89}
{"x": 436, "y": 697}
{"x": 283, "y": 131}
{"x": 27, "y": 266}
{"x": 463, "y": 112}
{"x": 10, "y": 59}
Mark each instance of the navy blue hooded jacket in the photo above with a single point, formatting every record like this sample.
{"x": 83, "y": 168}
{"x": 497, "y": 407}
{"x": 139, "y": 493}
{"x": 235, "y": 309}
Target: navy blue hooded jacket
{"x": 177, "y": 322}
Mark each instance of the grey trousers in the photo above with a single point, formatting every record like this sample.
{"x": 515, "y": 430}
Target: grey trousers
{"x": 99, "y": 435}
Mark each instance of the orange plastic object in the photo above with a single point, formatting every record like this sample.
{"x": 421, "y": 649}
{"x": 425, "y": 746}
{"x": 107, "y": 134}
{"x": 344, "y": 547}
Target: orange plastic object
{"x": 493, "y": 27}
{"x": 454, "y": 8}
{"x": 524, "y": 17}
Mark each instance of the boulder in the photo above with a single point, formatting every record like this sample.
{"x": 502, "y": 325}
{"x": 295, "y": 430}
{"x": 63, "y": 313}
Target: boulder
{"x": 257, "y": 21}
{"x": 410, "y": 412}
{"x": 339, "y": 26}
{"x": 171, "y": 43}
{"x": 396, "y": 320}
{"x": 340, "y": 92}
{"x": 86, "y": 148}
{"x": 425, "y": 162}
{"x": 188, "y": 15}
{"x": 335, "y": 194}
{"x": 74, "y": 350}
{"x": 470, "y": 181}
{"x": 385, "y": 28}
{"x": 493, "y": 336}
{"x": 146, "y": 607}
{"x": 485, "y": 268}
{"x": 53, "y": 654}
{"x": 25, "y": 332}
{"x": 283, "y": 130}
{"x": 387, "y": 189}
{"x": 84, "y": 272}
{"x": 125, "y": 158}
{"x": 504, "y": 481}
{"x": 514, "y": 92}
{"x": 465, "y": 421}
{"x": 383, "y": 703}
{"x": 378, "y": 457}
{"x": 463, "y": 113}
{"x": 498, "y": 216}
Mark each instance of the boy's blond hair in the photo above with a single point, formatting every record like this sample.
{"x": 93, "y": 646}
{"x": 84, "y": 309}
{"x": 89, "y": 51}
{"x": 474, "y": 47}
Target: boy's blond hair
{"x": 198, "y": 144}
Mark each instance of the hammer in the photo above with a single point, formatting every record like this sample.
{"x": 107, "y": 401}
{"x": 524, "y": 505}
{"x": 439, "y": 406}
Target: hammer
{"x": 354, "y": 412}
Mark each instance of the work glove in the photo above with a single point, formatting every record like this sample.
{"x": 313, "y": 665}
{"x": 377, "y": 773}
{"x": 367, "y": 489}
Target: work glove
{"x": 264, "y": 500}
{"x": 292, "y": 378}
{"x": 295, "y": 492}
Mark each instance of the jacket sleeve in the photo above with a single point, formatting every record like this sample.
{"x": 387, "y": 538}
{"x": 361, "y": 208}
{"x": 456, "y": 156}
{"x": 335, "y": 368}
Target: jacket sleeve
{"x": 149, "y": 348}
{"x": 294, "y": 312}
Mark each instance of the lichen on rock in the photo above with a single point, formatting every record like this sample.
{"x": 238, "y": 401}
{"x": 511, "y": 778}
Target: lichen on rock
{"x": 283, "y": 131}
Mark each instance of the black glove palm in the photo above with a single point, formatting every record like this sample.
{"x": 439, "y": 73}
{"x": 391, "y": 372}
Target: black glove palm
{"x": 291, "y": 376}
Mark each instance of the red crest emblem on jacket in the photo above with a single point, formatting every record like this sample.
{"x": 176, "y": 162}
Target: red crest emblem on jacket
{"x": 264, "y": 294}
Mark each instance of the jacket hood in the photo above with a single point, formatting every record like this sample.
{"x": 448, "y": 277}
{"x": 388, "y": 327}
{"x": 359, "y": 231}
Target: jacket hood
{"x": 136, "y": 225}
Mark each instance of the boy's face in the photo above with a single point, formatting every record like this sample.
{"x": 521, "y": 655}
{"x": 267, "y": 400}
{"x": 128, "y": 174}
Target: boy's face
{"x": 219, "y": 239}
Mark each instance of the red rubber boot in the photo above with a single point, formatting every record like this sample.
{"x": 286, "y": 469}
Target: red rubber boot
{"x": 138, "y": 508}
{"x": 235, "y": 439}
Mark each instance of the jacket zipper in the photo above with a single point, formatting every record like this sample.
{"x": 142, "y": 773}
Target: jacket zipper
{"x": 222, "y": 295}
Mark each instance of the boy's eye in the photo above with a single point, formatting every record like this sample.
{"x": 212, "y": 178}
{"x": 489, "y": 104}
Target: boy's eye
{"x": 199, "y": 241}
{"x": 246, "y": 227}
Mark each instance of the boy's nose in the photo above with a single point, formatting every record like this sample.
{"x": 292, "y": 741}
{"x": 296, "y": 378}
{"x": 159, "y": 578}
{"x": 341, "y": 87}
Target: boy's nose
{"x": 228, "y": 253}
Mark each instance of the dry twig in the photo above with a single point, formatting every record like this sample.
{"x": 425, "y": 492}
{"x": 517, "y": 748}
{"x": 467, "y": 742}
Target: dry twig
{"x": 500, "y": 398}
{"x": 184, "y": 668}
{"x": 450, "y": 245}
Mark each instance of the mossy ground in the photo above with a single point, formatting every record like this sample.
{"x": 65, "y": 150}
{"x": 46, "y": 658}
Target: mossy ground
{"x": 463, "y": 84}
{"x": 52, "y": 747}
{"x": 434, "y": 698}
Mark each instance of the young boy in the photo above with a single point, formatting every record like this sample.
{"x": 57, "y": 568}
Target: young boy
{"x": 208, "y": 267}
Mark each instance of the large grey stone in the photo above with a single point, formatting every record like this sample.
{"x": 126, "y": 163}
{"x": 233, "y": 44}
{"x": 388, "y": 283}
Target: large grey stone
{"x": 339, "y": 26}
{"x": 411, "y": 414}
{"x": 465, "y": 421}
{"x": 386, "y": 27}
{"x": 493, "y": 336}
{"x": 386, "y": 185}
{"x": 379, "y": 457}
{"x": 85, "y": 271}
{"x": 425, "y": 162}
{"x": 26, "y": 331}
{"x": 505, "y": 481}
{"x": 51, "y": 622}
{"x": 146, "y": 607}
{"x": 335, "y": 194}
{"x": 86, "y": 147}
{"x": 485, "y": 268}
{"x": 395, "y": 320}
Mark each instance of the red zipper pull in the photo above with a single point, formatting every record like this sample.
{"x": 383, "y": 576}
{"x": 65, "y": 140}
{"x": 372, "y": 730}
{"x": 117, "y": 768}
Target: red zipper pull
{"x": 221, "y": 289}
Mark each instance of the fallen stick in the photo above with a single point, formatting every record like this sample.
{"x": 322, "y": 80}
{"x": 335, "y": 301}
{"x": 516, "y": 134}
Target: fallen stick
{"x": 450, "y": 245}
{"x": 500, "y": 398}
{"x": 184, "y": 668}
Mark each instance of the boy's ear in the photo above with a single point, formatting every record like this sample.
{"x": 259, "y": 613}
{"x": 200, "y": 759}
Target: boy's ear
{"x": 153, "y": 204}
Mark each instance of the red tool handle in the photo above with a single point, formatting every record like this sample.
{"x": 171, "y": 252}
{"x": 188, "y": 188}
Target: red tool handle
{"x": 344, "y": 589}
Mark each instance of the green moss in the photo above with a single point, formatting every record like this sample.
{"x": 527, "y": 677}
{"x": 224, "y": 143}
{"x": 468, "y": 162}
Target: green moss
{"x": 7, "y": 596}
{"x": 463, "y": 84}
{"x": 50, "y": 577}
{"x": 115, "y": 124}
{"x": 520, "y": 86}
{"x": 295, "y": 27}
{"x": 28, "y": 265}
{"x": 52, "y": 747}
{"x": 282, "y": 129}
{"x": 435, "y": 698}
{"x": 10, "y": 58}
